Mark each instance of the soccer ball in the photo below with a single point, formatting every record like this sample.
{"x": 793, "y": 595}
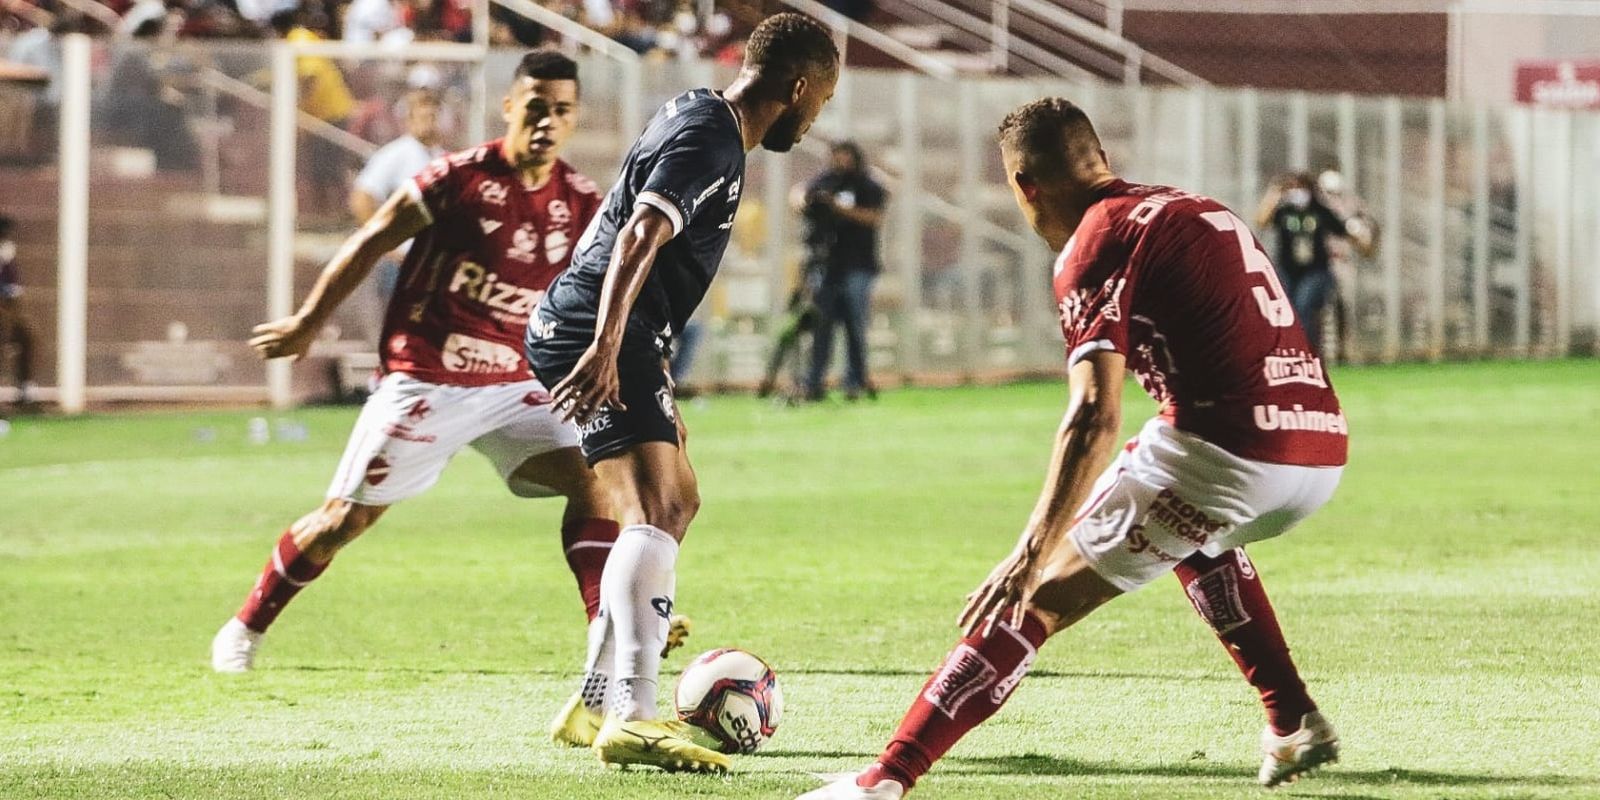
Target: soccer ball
{"x": 733, "y": 697}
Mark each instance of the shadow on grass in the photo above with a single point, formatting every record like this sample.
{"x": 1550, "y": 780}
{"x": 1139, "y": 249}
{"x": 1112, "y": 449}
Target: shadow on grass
{"x": 1186, "y": 677}
{"x": 1055, "y": 765}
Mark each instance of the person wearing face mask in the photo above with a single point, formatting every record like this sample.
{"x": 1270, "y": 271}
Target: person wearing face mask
{"x": 1303, "y": 226}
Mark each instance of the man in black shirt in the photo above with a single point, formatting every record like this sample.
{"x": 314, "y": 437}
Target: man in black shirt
{"x": 600, "y": 337}
{"x": 843, "y": 208}
{"x": 1303, "y": 226}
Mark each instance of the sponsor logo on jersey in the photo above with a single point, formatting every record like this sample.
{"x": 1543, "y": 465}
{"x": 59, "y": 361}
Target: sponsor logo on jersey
{"x": 668, "y": 409}
{"x": 1152, "y": 205}
{"x": 582, "y": 184}
{"x": 733, "y": 189}
{"x": 462, "y": 353}
{"x": 1294, "y": 366}
{"x": 541, "y": 328}
{"x": 419, "y": 409}
{"x": 1216, "y": 596}
{"x": 717, "y": 184}
{"x": 524, "y": 244}
{"x": 1271, "y": 417}
{"x": 476, "y": 283}
{"x": 1183, "y": 519}
{"x": 965, "y": 674}
{"x": 489, "y": 225}
{"x": 493, "y": 192}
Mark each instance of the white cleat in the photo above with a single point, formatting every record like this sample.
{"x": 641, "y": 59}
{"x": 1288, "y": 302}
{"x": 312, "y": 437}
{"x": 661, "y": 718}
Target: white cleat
{"x": 1289, "y": 757}
{"x": 845, "y": 788}
{"x": 234, "y": 648}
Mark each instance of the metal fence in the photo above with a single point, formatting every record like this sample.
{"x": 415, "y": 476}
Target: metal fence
{"x": 148, "y": 259}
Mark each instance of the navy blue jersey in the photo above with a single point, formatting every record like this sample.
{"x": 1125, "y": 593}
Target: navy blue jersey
{"x": 689, "y": 164}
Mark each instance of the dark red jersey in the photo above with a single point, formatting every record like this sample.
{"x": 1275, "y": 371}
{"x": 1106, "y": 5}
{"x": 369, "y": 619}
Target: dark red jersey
{"x": 475, "y": 274}
{"x": 1178, "y": 284}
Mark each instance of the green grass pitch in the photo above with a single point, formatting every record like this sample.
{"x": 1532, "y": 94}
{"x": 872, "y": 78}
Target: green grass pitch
{"x": 1445, "y": 608}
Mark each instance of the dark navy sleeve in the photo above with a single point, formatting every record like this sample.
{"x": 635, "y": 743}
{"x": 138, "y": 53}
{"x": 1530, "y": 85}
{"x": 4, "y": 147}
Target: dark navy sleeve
{"x": 690, "y": 169}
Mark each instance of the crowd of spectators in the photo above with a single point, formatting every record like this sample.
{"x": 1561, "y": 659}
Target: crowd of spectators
{"x": 652, "y": 27}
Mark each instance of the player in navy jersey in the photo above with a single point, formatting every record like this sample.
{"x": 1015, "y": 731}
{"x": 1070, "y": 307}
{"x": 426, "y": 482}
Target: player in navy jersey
{"x": 601, "y": 337}
{"x": 1249, "y": 441}
{"x": 493, "y": 226}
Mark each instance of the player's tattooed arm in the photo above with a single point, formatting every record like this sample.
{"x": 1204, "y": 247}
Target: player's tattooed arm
{"x": 593, "y": 384}
{"x": 1084, "y": 445}
{"x": 399, "y": 219}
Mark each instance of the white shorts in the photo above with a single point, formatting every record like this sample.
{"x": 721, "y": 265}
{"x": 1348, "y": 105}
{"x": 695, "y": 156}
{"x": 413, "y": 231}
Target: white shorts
{"x": 410, "y": 429}
{"x": 1171, "y": 493}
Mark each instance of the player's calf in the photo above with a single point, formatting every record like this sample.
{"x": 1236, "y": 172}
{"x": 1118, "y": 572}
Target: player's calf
{"x": 300, "y": 557}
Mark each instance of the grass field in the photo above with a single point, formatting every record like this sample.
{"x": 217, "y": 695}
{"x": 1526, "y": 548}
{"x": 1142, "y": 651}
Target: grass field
{"x": 1445, "y": 608}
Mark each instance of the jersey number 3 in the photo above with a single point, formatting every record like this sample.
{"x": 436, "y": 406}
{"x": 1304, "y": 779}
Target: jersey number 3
{"x": 1270, "y": 299}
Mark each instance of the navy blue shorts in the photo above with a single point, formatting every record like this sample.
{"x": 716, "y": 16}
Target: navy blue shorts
{"x": 646, "y": 389}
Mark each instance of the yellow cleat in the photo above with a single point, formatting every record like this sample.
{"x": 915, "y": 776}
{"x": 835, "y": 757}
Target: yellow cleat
{"x": 677, "y": 630}
{"x": 667, "y": 744}
{"x": 576, "y": 725}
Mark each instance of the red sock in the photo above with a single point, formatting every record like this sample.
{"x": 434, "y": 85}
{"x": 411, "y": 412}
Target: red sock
{"x": 971, "y": 684}
{"x": 286, "y": 573}
{"x": 1229, "y": 596}
{"x": 587, "y": 542}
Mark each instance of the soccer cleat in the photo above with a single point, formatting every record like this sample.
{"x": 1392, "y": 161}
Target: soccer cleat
{"x": 576, "y": 725}
{"x": 667, "y": 744}
{"x": 677, "y": 630}
{"x": 234, "y": 647}
{"x": 846, "y": 789}
{"x": 1289, "y": 757}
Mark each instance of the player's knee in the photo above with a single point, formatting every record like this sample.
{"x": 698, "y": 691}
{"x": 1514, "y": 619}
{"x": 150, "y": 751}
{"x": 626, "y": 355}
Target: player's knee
{"x": 674, "y": 512}
{"x": 325, "y": 531}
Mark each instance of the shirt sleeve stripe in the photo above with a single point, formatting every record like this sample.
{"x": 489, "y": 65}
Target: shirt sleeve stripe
{"x": 416, "y": 194}
{"x": 660, "y": 203}
{"x": 1082, "y": 351}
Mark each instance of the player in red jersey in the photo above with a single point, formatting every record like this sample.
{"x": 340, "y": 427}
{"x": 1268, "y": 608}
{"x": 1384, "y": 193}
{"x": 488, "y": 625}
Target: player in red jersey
{"x": 493, "y": 226}
{"x": 1249, "y": 441}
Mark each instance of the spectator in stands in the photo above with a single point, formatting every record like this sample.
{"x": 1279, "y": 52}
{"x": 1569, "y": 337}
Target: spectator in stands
{"x": 372, "y": 21}
{"x": 324, "y": 95}
{"x": 507, "y": 28}
{"x": 387, "y": 172}
{"x": 1303, "y": 226}
{"x": 844, "y": 208}
{"x": 14, "y": 328}
{"x": 143, "y": 105}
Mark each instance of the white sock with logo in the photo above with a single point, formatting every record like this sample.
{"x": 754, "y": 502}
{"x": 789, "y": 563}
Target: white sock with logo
{"x": 636, "y": 590}
{"x": 597, "y": 664}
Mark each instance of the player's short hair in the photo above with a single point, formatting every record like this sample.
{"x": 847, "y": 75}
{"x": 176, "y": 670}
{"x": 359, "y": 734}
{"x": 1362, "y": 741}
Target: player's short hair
{"x": 547, "y": 65}
{"x": 791, "y": 45}
{"x": 1048, "y": 133}
{"x": 5, "y": 224}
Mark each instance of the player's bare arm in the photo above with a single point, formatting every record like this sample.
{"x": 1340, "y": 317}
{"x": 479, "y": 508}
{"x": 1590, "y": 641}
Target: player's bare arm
{"x": 1084, "y": 445}
{"x": 593, "y": 384}
{"x": 399, "y": 219}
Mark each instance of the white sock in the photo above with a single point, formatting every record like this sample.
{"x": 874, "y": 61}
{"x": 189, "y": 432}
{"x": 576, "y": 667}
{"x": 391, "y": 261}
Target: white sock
{"x": 637, "y": 589}
{"x": 597, "y": 664}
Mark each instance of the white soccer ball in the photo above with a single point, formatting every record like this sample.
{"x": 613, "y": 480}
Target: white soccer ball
{"x": 733, "y": 697}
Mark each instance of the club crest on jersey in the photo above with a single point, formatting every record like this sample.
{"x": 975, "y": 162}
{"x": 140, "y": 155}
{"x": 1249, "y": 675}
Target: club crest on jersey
{"x": 558, "y": 212}
{"x": 489, "y": 225}
{"x": 493, "y": 192}
{"x": 524, "y": 244}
